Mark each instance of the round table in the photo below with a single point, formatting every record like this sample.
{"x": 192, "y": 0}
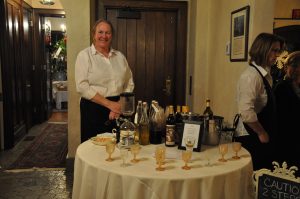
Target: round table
{"x": 96, "y": 178}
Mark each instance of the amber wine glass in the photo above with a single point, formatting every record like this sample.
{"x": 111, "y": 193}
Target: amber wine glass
{"x": 164, "y": 154}
{"x": 135, "y": 149}
{"x": 110, "y": 148}
{"x": 186, "y": 156}
{"x": 223, "y": 149}
{"x": 236, "y": 147}
{"x": 160, "y": 157}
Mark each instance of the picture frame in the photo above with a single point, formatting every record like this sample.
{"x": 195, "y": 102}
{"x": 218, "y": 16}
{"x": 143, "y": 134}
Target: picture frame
{"x": 195, "y": 129}
{"x": 239, "y": 34}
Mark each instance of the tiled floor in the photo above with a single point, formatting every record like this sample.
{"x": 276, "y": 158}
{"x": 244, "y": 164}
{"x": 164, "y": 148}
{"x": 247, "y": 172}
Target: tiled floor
{"x": 34, "y": 183}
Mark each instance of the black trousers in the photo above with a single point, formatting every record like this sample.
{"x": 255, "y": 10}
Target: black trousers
{"x": 261, "y": 153}
{"x": 95, "y": 118}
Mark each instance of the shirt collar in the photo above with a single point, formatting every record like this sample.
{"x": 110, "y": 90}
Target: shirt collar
{"x": 263, "y": 71}
{"x": 94, "y": 51}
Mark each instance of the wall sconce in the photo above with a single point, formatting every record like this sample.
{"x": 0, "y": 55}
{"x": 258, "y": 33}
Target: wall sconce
{"x": 47, "y": 2}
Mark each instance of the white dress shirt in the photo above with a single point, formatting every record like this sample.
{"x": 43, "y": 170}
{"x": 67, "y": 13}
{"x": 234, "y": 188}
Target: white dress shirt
{"x": 251, "y": 95}
{"x": 95, "y": 73}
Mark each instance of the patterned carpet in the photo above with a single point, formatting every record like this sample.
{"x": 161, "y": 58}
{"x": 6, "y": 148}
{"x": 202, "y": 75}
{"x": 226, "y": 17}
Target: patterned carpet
{"x": 48, "y": 150}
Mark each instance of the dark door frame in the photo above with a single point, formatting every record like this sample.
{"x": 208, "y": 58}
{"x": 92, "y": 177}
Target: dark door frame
{"x": 40, "y": 88}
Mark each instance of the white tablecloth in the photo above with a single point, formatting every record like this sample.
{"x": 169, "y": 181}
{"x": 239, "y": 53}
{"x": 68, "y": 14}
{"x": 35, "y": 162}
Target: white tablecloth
{"x": 96, "y": 178}
{"x": 60, "y": 92}
{"x": 60, "y": 96}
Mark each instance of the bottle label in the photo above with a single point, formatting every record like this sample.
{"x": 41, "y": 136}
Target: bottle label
{"x": 170, "y": 134}
{"x": 126, "y": 137}
{"x": 144, "y": 134}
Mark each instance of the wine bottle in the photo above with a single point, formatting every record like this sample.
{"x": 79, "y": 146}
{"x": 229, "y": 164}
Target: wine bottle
{"x": 144, "y": 126}
{"x": 156, "y": 129}
{"x": 178, "y": 125}
{"x": 208, "y": 111}
{"x": 137, "y": 118}
{"x": 209, "y": 124}
{"x": 185, "y": 111}
{"x": 139, "y": 112}
{"x": 170, "y": 128}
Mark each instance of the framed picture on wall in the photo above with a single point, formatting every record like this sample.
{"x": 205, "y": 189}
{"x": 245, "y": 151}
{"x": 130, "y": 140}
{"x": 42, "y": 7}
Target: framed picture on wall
{"x": 239, "y": 34}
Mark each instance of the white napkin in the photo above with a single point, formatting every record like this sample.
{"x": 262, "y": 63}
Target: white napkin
{"x": 106, "y": 134}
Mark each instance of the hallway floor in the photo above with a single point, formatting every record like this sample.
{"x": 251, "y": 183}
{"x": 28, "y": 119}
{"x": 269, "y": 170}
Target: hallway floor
{"x": 35, "y": 183}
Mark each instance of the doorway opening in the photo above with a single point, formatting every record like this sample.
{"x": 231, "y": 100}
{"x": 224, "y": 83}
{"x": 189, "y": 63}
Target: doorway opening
{"x": 56, "y": 53}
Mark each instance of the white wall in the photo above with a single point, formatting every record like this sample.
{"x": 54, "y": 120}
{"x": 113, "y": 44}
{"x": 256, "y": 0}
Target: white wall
{"x": 78, "y": 38}
{"x": 215, "y": 77}
{"x": 284, "y": 9}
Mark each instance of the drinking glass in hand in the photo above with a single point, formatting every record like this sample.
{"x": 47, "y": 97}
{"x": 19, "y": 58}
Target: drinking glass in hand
{"x": 135, "y": 149}
{"x": 160, "y": 157}
{"x": 110, "y": 148}
{"x": 186, "y": 156}
{"x": 236, "y": 146}
{"x": 124, "y": 156}
{"x": 223, "y": 149}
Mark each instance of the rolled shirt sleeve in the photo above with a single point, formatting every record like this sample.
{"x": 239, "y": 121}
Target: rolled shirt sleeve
{"x": 252, "y": 96}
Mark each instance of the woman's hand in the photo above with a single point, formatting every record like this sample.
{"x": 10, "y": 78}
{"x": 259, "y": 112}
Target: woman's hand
{"x": 115, "y": 107}
{"x": 113, "y": 115}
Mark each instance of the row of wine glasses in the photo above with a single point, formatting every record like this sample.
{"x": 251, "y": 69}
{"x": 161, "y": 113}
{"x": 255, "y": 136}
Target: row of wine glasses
{"x": 135, "y": 149}
{"x": 223, "y": 149}
{"x": 160, "y": 153}
{"x": 186, "y": 155}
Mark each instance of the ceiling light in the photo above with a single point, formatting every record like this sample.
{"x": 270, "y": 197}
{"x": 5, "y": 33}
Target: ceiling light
{"x": 47, "y": 2}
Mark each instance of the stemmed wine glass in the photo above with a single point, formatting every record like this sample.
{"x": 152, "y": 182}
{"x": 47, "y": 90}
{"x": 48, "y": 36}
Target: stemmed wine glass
{"x": 186, "y": 156}
{"x": 189, "y": 142}
{"x": 223, "y": 149}
{"x": 236, "y": 146}
{"x": 160, "y": 157}
{"x": 124, "y": 156}
{"x": 207, "y": 157}
{"x": 110, "y": 148}
{"x": 135, "y": 149}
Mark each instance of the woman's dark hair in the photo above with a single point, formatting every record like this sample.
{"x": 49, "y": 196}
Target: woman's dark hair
{"x": 93, "y": 31}
{"x": 261, "y": 47}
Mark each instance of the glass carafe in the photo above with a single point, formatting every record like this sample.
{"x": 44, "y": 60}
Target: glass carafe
{"x": 127, "y": 128}
{"x": 127, "y": 133}
{"x": 127, "y": 101}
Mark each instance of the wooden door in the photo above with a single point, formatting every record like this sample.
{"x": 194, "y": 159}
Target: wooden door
{"x": 152, "y": 35}
{"x": 12, "y": 78}
{"x": 27, "y": 51}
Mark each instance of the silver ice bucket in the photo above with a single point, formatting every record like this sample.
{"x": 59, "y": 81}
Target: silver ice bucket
{"x": 212, "y": 131}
